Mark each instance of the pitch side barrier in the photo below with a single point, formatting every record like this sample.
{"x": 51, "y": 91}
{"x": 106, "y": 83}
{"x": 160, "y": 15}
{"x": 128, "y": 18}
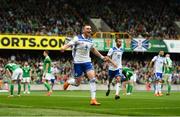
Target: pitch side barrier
{"x": 99, "y": 87}
{"x": 31, "y": 42}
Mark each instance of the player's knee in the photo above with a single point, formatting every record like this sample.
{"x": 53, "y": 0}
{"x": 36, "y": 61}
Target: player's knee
{"x": 78, "y": 81}
{"x": 93, "y": 80}
{"x": 117, "y": 80}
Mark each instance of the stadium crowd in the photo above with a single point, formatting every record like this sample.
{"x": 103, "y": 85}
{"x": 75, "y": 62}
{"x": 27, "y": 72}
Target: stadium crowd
{"x": 153, "y": 18}
{"x": 43, "y": 17}
{"x": 65, "y": 71}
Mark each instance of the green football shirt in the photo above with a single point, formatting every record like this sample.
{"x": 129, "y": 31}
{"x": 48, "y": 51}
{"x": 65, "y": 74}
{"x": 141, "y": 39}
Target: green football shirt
{"x": 47, "y": 60}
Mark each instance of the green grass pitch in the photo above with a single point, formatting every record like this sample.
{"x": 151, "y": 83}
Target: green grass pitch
{"x": 76, "y": 103}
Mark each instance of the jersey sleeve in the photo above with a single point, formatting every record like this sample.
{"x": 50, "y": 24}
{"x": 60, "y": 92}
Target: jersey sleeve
{"x": 47, "y": 60}
{"x": 73, "y": 41}
{"x": 154, "y": 59}
{"x": 110, "y": 52}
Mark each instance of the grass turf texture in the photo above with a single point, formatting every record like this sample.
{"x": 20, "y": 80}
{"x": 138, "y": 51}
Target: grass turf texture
{"x": 76, "y": 103}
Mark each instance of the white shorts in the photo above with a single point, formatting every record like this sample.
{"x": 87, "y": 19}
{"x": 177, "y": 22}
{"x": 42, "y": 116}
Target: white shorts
{"x": 168, "y": 77}
{"x": 52, "y": 76}
{"x": 133, "y": 78}
{"x": 48, "y": 76}
{"x": 17, "y": 74}
{"x": 26, "y": 79}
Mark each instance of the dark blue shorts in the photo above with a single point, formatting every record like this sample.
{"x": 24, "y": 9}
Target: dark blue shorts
{"x": 158, "y": 76}
{"x": 52, "y": 81}
{"x": 114, "y": 74}
{"x": 81, "y": 68}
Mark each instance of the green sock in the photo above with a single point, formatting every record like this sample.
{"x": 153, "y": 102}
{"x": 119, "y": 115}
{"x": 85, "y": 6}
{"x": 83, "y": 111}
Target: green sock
{"x": 47, "y": 86}
{"x": 169, "y": 88}
{"x": 29, "y": 87}
{"x": 128, "y": 88}
{"x": 19, "y": 89}
{"x": 24, "y": 87}
{"x": 12, "y": 89}
{"x": 131, "y": 88}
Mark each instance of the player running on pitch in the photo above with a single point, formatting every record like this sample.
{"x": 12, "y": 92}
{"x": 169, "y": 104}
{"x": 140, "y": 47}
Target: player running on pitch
{"x": 82, "y": 45}
{"x": 159, "y": 62}
{"x": 115, "y": 53}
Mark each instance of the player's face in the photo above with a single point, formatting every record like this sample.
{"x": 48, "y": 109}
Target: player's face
{"x": 44, "y": 53}
{"x": 87, "y": 31}
{"x": 161, "y": 53}
{"x": 26, "y": 64}
{"x": 167, "y": 55}
{"x": 118, "y": 42}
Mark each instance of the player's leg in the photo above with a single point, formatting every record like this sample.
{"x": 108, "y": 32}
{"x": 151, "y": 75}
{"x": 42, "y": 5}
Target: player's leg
{"x": 92, "y": 81}
{"x": 12, "y": 88}
{"x": 160, "y": 84}
{"x": 16, "y": 76}
{"x": 111, "y": 76}
{"x": 156, "y": 85}
{"x": 109, "y": 86}
{"x": 52, "y": 83}
{"x": 19, "y": 87}
{"x": 124, "y": 83}
{"x": 24, "y": 85}
{"x": 169, "y": 84}
{"x": 28, "y": 84}
{"x": 130, "y": 85}
{"x": 78, "y": 72}
{"x": 13, "y": 80}
{"x": 20, "y": 73}
{"x": 46, "y": 80}
{"x": 118, "y": 79}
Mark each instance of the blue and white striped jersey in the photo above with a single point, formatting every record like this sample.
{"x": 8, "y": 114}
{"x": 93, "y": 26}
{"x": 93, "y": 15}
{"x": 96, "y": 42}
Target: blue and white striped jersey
{"x": 158, "y": 64}
{"x": 81, "y": 48}
{"x": 116, "y": 55}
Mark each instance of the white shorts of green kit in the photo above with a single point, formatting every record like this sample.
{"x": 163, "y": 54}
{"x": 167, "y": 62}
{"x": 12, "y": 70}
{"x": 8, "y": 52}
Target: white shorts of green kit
{"x": 168, "y": 77}
{"x": 47, "y": 76}
{"x": 26, "y": 79}
{"x": 17, "y": 74}
{"x": 52, "y": 76}
{"x": 133, "y": 78}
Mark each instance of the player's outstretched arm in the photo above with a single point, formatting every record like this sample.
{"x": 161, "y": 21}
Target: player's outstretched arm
{"x": 111, "y": 61}
{"x": 150, "y": 64}
{"x": 64, "y": 47}
{"x": 97, "y": 53}
{"x": 70, "y": 43}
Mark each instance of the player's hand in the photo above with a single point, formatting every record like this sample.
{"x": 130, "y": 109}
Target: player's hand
{"x": 106, "y": 58}
{"x": 115, "y": 65}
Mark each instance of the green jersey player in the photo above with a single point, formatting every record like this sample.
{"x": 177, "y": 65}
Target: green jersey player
{"x": 168, "y": 69}
{"x": 47, "y": 72}
{"x": 127, "y": 74}
{"x": 26, "y": 77}
{"x": 15, "y": 72}
{"x": 127, "y": 79}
